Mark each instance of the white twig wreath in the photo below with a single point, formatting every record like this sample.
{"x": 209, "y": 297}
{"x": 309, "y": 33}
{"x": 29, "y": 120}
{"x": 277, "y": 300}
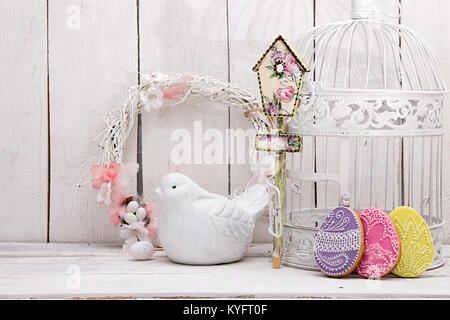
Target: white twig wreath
{"x": 136, "y": 217}
{"x": 160, "y": 90}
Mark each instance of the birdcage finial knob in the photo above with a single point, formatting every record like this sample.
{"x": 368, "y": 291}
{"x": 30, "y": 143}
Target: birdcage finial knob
{"x": 362, "y": 9}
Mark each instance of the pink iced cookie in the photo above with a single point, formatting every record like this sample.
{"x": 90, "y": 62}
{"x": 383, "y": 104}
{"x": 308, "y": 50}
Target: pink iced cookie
{"x": 381, "y": 244}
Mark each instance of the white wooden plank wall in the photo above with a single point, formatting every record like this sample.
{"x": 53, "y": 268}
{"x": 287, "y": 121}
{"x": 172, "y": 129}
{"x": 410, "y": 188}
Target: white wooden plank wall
{"x": 63, "y": 64}
{"x": 92, "y": 59}
{"x": 183, "y": 37}
{"x": 24, "y": 122}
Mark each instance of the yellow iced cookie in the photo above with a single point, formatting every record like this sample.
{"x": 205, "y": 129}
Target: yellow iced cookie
{"x": 415, "y": 241}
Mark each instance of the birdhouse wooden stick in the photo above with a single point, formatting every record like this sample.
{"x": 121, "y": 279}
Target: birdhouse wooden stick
{"x": 280, "y": 182}
{"x": 280, "y": 77}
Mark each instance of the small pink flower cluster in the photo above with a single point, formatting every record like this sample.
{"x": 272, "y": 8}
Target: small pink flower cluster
{"x": 102, "y": 174}
{"x": 154, "y": 96}
{"x": 178, "y": 88}
{"x": 109, "y": 178}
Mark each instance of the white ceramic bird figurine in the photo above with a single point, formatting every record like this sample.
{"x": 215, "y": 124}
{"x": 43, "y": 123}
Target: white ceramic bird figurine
{"x": 201, "y": 228}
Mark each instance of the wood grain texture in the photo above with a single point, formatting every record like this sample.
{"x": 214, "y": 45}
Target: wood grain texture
{"x": 92, "y": 62}
{"x": 23, "y": 117}
{"x": 51, "y": 271}
{"x": 253, "y": 25}
{"x": 184, "y": 37}
{"x": 436, "y": 32}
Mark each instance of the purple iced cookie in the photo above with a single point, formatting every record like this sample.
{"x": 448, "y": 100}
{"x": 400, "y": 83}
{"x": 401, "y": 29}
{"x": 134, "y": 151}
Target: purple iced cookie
{"x": 339, "y": 244}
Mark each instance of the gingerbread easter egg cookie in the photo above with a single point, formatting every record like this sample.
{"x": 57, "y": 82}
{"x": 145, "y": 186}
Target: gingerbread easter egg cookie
{"x": 415, "y": 241}
{"x": 381, "y": 244}
{"x": 339, "y": 243}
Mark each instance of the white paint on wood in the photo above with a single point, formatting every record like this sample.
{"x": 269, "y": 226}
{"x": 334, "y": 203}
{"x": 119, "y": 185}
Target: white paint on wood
{"x": 82, "y": 271}
{"x": 23, "y": 121}
{"x": 184, "y": 37}
{"x": 91, "y": 65}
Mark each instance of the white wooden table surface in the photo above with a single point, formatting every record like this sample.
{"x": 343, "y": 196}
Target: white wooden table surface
{"x": 32, "y": 270}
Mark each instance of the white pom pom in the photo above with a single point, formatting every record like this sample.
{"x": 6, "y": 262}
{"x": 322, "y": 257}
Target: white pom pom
{"x": 132, "y": 206}
{"x": 130, "y": 218}
{"x": 141, "y": 213}
{"x": 142, "y": 250}
{"x": 125, "y": 233}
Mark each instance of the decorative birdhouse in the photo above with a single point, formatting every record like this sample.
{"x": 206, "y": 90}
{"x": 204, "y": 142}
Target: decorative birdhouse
{"x": 280, "y": 76}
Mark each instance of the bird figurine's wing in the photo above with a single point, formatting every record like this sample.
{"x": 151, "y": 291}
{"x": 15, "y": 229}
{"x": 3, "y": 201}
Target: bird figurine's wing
{"x": 235, "y": 219}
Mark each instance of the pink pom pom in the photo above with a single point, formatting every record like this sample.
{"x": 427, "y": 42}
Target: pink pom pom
{"x": 152, "y": 227}
{"x": 117, "y": 213}
{"x": 115, "y": 218}
{"x": 152, "y": 210}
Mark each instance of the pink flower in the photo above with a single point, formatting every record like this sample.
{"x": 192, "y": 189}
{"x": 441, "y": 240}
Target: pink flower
{"x": 115, "y": 218}
{"x": 177, "y": 88}
{"x": 290, "y": 65}
{"x": 285, "y": 92}
{"x": 120, "y": 211}
{"x": 102, "y": 174}
{"x": 106, "y": 179}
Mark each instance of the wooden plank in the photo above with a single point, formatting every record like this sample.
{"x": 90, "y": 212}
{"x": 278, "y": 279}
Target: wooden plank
{"x": 35, "y": 249}
{"x": 23, "y": 129}
{"x": 93, "y": 60}
{"x": 436, "y": 28}
{"x": 184, "y": 37}
{"x": 253, "y": 25}
{"x": 77, "y": 271}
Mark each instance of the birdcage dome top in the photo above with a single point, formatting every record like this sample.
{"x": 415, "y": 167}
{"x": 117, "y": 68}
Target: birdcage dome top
{"x": 368, "y": 54}
{"x": 369, "y": 77}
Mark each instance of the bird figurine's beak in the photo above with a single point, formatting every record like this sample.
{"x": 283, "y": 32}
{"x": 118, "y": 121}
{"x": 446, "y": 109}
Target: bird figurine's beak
{"x": 158, "y": 191}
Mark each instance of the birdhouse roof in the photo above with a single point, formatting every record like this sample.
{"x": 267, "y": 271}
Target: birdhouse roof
{"x": 289, "y": 47}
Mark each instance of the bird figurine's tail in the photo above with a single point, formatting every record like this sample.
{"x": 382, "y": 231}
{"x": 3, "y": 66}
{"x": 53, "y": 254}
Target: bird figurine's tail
{"x": 254, "y": 200}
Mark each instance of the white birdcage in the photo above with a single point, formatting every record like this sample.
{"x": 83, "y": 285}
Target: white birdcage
{"x": 371, "y": 121}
